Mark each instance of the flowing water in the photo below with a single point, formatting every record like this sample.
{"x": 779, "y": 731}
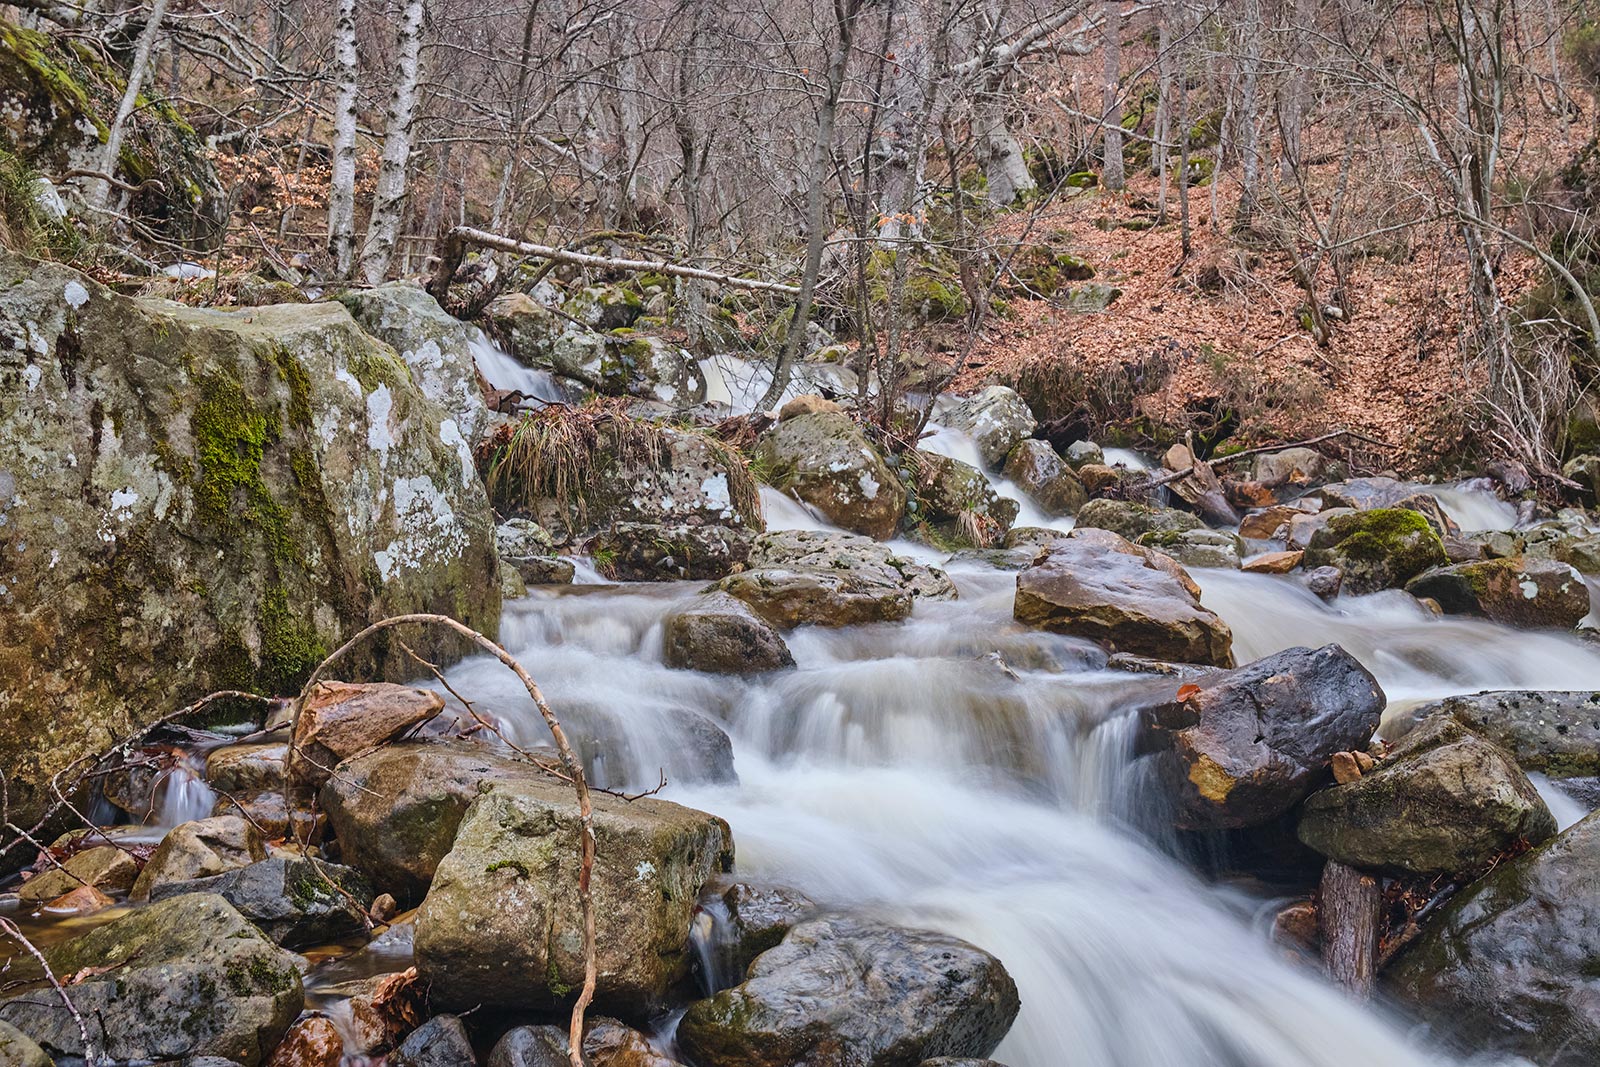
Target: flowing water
{"x": 957, "y": 771}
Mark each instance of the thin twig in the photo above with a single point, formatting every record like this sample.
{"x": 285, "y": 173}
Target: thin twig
{"x": 91, "y": 1055}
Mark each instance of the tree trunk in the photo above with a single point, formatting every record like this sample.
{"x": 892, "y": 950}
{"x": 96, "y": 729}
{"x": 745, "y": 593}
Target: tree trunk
{"x": 389, "y": 198}
{"x": 1110, "y": 98}
{"x": 998, "y": 153}
{"x": 98, "y": 191}
{"x": 1158, "y": 153}
{"x": 901, "y": 163}
{"x": 1351, "y": 906}
{"x": 342, "y": 184}
{"x": 1246, "y": 126}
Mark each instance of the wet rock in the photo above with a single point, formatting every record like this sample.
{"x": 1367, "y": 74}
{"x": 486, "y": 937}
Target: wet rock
{"x": 1246, "y": 746}
{"x": 808, "y": 404}
{"x": 1325, "y": 582}
{"x": 1198, "y": 548}
{"x": 996, "y": 419}
{"x": 311, "y": 1042}
{"x": 200, "y": 849}
{"x": 841, "y": 990}
{"x": 1582, "y": 553}
{"x": 1042, "y": 474}
{"x": 512, "y": 587}
{"x": 957, "y": 1061}
{"x": 395, "y": 811}
{"x": 104, "y": 867}
{"x": 1269, "y": 523}
{"x": 719, "y": 633}
{"x": 440, "y": 1042}
{"x": 1304, "y": 526}
{"x": 640, "y": 552}
{"x": 235, "y": 492}
{"x": 1445, "y": 801}
{"x": 957, "y": 498}
{"x": 1291, "y": 468}
{"x": 1554, "y": 733}
{"x": 1510, "y": 964}
{"x": 1274, "y": 563}
{"x": 606, "y": 1043}
{"x": 801, "y": 576}
{"x": 1135, "y": 521}
{"x": 1379, "y": 549}
{"x": 1032, "y": 536}
{"x": 1517, "y": 592}
{"x": 747, "y": 919}
{"x": 826, "y": 461}
{"x": 522, "y": 537}
{"x": 19, "y": 1050}
{"x": 1098, "y": 479}
{"x": 437, "y": 348}
{"x": 340, "y": 720}
{"x": 531, "y": 1046}
{"x": 268, "y": 812}
{"x": 297, "y": 903}
{"x": 189, "y": 977}
{"x": 247, "y": 768}
{"x": 502, "y": 926}
{"x": 1099, "y": 586}
{"x": 543, "y": 570}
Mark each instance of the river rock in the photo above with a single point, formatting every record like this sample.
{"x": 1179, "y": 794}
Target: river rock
{"x": 296, "y": 902}
{"x": 276, "y": 818}
{"x": 312, "y": 1042}
{"x": 641, "y": 552}
{"x": 958, "y": 499}
{"x": 1511, "y": 964}
{"x": 1081, "y": 452}
{"x": 1198, "y": 548}
{"x": 1135, "y": 521}
{"x": 996, "y": 419}
{"x": 606, "y": 1043}
{"x": 1554, "y": 733}
{"x": 1445, "y": 801}
{"x": 189, "y": 977}
{"x": 501, "y": 925}
{"x": 19, "y": 1050}
{"x": 200, "y": 849}
{"x": 105, "y": 867}
{"x": 247, "y": 768}
{"x": 719, "y": 633}
{"x": 1244, "y": 747}
{"x": 1045, "y": 477}
{"x": 1270, "y": 523}
{"x": 436, "y": 347}
{"x": 442, "y": 1041}
{"x": 194, "y": 500}
{"x": 1378, "y": 549}
{"x": 845, "y": 991}
{"x": 826, "y": 461}
{"x": 1099, "y": 586}
{"x": 531, "y": 1046}
{"x": 747, "y": 919}
{"x": 803, "y": 576}
{"x": 1517, "y": 592}
{"x": 1290, "y": 468}
{"x": 1274, "y": 563}
{"x": 340, "y": 720}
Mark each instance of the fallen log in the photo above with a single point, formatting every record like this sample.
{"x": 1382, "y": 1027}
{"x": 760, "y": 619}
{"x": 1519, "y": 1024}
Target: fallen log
{"x": 1349, "y": 911}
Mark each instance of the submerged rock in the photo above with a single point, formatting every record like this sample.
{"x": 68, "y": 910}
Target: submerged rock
{"x": 182, "y": 978}
{"x": 502, "y": 927}
{"x": 194, "y": 500}
{"x": 1099, "y": 586}
{"x": 1241, "y": 748}
{"x": 1512, "y": 964}
{"x": 842, "y": 991}
{"x": 719, "y": 633}
{"x": 1379, "y": 549}
{"x": 801, "y": 576}
{"x": 1555, "y": 733}
{"x": 825, "y": 460}
{"x": 1517, "y": 591}
{"x": 996, "y": 419}
{"x": 1445, "y": 801}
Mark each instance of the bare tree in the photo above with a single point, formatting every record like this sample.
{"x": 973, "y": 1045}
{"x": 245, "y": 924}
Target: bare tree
{"x": 389, "y": 199}
{"x": 342, "y": 184}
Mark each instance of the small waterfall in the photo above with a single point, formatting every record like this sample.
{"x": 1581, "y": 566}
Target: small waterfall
{"x": 711, "y": 938}
{"x": 183, "y": 795}
{"x": 1474, "y": 507}
{"x": 504, "y": 372}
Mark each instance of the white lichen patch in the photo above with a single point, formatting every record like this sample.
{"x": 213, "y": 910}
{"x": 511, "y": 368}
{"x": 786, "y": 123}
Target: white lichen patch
{"x": 75, "y": 294}
{"x": 118, "y": 514}
{"x": 450, "y": 434}
{"x": 644, "y": 872}
{"x": 869, "y": 485}
{"x": 428, "y": 531}
{"x": 31, "y": 375}
{"x": 716, "y": 493}
{"x": 1530, "y": 589}
{"x": 380, "y": 405}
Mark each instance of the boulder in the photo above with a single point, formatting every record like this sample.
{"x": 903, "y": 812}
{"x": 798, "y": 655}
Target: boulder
{"x": 1269, "y": 523}
{"x": 845, "y": 991}
{"x": 312, "y": 1042}
{"x": 959, "y": 501}
{"x": 808, "y": 404}
{"x": 1512, "y": 964}
{"x": 438, "y": 349}
{"x": 996, "y": 419}
{"x": 1081, "y": 452}
{"x": 645, "y": 552}
{"x": 340, "y": 720}
{"x": 1325, "y": 582}
{"x": 1445, "y": 801}
{"x": 1290, "y": 468}
{"x": 186, "y": 977}
{"x": 1517, "y": 592}
{"x": 826, "y": 461}
{"x": 1135, "y": 521}
{"x": 296, "y": 902}
{"x": 719, "y": 633}
{"x": 1554, "y": 733}
{"x": 442, "y": 1041}
{"x": 105, "y": 867}
{"x": 200, "y": 849}
{"x": 194, "y": 500}
{"x": 1274, "y": 563}
{"x": 1198, "y": 548}
{"x": 1034, "y": 465}
{"x": 802, "y": 576}
{"x": 542, "y": 570}
{"x": 745, "y": 920}
{"x": 502, "y": 926}
{"x": 278, "y": 818}
{"x": 1241, "y": 748}
{"x": 606, "y": 1043}
{"x": 247, "y": 768}
{"x": 19, "y": 1050}
{"x": 1379, "y": 549}
{"x": 1099, "y": 586}
{"x": 1582, "y": 553}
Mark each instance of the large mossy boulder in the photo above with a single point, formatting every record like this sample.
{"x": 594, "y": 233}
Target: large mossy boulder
{"x": 58, "y": 97}
{"x": 1135, "y": 521}
{"x": 1554, "y": 733}
{"x": 1045, "y": 477}
{"x": 1241, "y": 748}
{"x": 958, "y": 500}
{"x": 846, "y": 992}
{"x": 194, "y": 500}
{"x": 1513, "y": 963}
{"x": 502, "y": 924}
{"x": 1378, "y": 549}
{"x": 1445, "y": 801}
{"x": 1516, "y": 591}
{"x": 825, "y": 460}
{"x": 996, "y": 419}
{"x": 184, "y": 978}
{"x": 1096, "y": 585}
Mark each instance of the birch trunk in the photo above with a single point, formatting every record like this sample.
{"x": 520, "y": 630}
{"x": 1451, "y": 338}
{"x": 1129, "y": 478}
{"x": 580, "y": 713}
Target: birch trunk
{"x": 98, "y": 190}
{"x": 1110, "y": 104}
{"x": 389, "y": 199}
{"x": 342, "y": 184}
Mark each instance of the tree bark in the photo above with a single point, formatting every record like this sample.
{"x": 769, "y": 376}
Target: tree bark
{"x": 1351, "y": 904}
{"x": 389, "y": 199}
{"x": 342, "y": 184}
{"x": 1110, "y": 99}
{"x": 98, "y": 191}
